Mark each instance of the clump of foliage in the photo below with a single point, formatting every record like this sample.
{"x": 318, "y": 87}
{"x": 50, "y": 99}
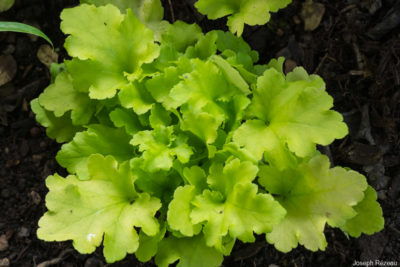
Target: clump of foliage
{"x": 240, "y": 12}
{"x": 178, "y": 144}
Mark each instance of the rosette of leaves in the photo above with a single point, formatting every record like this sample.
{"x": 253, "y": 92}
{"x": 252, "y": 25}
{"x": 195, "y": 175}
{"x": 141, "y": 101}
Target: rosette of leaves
{"x": 240, "y": 12}
{"x": 176, "y": 148}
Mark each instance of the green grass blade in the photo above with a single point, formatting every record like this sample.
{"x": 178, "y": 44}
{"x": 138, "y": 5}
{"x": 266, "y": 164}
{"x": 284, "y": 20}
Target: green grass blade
{"x": 6, "y": 26}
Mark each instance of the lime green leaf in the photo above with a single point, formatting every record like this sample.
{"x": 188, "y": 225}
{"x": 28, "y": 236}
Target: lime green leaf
{"x": 307, "y": 119}
{"x": 234, "y": 207}
{"x": 312, "y": 195}
{"x": 277, "y": 64}
{"x": 161, "y": 84}
{"x": 228, "y": 41}
{"x": 149, "y": 12}
{"x": 168, "y": 56}
{"x": 201, "y": 87}
{"x": 61, "y": 97}
{"x": 6, "y": 26}
{"x": 56, "y": 69}
{"x": 232, "y": 75}
{"x": 232, "y": 149}
{"x": 201, "y": 95}
{"x": 126, "y": 118}
{"x": 159, "y": 116}
{"x": 190, "y": 251}
{"x": 203, "y": 125}
{"x": 224, "y": 178}
{"x": 160, "y": 184}
{"x": 179, "y": 209}
{"x": 92, "y": 77}
{"x": 369, "y": 218}
{"x": 6, "y": 5}
{"x": 121, "y": 4}
{"x": 243, "y": 212}
{"x": 251, "y": 12}
{"x": 59, "y": 128}
{"x": 268, "y": 146}
{"x": 148, "y": 245}
{"x": 107, "y": 46}
{"x": 107, "y": 204}
{"x": 235, "y": 112}
{"x": 216, "y": 11}
{"x": 181, "y": 35}
{"x": 243, "y": 64}
{"x": 196, "y": 176}
{"x": 204, "y": 48}
{"x": 97, "y": 139}
{"x": 256, "y": 137}
{"x": 88, "y": 40}
{"x": 135, "y": 96}
{"x": 102, "y": 114}
{"x": 160, "y": 147}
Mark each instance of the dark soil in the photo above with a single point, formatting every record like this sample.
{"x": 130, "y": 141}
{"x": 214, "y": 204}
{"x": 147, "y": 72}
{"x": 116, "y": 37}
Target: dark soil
{"x": 356, "y": 49}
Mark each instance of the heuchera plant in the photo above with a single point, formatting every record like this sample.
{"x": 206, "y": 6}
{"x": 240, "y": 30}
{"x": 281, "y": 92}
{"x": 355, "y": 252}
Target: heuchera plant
{"x": 240, "y": 12}
{"x": 178, "y": 144}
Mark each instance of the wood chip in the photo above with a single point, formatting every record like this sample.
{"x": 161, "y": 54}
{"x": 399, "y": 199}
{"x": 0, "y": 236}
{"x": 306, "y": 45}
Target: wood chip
{"x": 47, "y": 55}
{"x": 8, "y": 69}
{"x": 5, "y": 262}
{"x": 312, "y": 14}
{"x": 3, "y": 243}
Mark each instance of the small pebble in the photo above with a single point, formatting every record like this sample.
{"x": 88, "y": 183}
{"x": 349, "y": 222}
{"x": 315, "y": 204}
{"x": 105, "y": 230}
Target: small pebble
{"x": 43, "y": 144}
{"x": 37, "y": 157}
{"x": 8, "y": 69}
{"x": 23, "y": 232}
{"x": 24, "y": 148}
{"x": 280, "y": 32}
{"x": 5, "y": 262}
{"x": 12, "y": 163}
{"x": 9, "y": 49}
{"x": 3, "y": 243}
{"x": 35, "y": 131}
{"x": 296, "y": 20}
{"x": 382, "y": 182}
{"x": 93, "y": 262}
{"x": 382, "y": 194}
{"x": 35, "y": 197}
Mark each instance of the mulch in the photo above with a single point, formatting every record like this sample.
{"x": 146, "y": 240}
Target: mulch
{"x": 356, "y": 49}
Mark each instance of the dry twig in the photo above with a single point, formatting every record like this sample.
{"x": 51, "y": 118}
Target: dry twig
{"x": 56, "y": 260}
